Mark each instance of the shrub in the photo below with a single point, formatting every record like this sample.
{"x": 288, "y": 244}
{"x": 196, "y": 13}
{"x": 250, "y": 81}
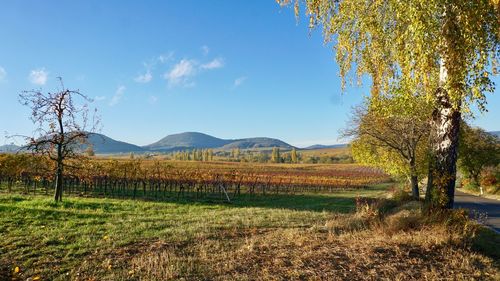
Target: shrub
{"x": 468, "y": 184}
{"x": 401, "y": 195}
{"x": 489, "y": 176}
{"x": 403, "y": 220}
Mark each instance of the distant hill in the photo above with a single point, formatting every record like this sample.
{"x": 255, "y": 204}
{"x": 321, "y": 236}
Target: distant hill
{"x": 495, "y": 133}
{"x": 321, "y": 146}
{"x": 100, "y": 143}
{"x": 9, "y": 148}
{"x": 187, "y": 140}
{"x": 191, "y": 140}
{"x": 105, "y": 145}
{"x": 250, "y": 143}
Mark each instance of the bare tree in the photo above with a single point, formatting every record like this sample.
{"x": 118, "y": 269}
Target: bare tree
{"x": 392, "y": 131}
{"x": 62, "y": 126}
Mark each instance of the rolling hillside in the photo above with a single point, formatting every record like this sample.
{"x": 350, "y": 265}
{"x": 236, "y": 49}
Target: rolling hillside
{"x": 321, "y": 146}
{"x": 251, "y": 143}
{"x": 9, "y": 148}
{"x": 495, "y": 133}
{"x": 105, "y": 145}
{"x": 190, "y": 140}
{"x": 187, "y": 140}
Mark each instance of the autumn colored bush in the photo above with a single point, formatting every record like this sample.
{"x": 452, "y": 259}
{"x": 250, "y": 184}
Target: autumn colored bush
{"x": 490, "y": 176}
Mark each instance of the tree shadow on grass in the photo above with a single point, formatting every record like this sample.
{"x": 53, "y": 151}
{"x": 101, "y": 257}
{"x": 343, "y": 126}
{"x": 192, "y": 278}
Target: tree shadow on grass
{"x": 297, "y": 202}
{"x": 487, "y": 242}
{"x": 300, "y": 202}
{"x": 55, "y": 214}
{"x": 341, "y": 201}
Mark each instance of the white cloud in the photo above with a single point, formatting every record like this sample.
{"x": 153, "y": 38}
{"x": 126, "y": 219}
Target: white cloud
{"x": 150, "y": 65}
{"x": 163, "y": 58}
{"x": 181, "y": 72}
{"x": 39, "y": 76}
{"x": 214, "y": 64}
{"x": 152, "y": 99}
{"x": 205, "y": 50}
{"x": 144, "y": 78}
{"x": 118, "y": 95}
{"x": 3, "y": 74}
{"x": 239, "y": 81}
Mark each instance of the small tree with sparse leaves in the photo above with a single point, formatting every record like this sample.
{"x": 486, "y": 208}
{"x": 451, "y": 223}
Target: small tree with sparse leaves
{"x": 63, "y": 126}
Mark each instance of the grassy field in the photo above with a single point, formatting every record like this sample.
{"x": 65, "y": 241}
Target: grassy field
{"x": 256, "y": 237}
{"x": 48, "y": 239}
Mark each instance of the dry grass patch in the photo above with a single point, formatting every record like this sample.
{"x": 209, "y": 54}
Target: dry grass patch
{"x": 401, "y": 246}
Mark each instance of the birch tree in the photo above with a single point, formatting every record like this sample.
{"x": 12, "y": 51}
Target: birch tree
{"x": 447, "y": 47}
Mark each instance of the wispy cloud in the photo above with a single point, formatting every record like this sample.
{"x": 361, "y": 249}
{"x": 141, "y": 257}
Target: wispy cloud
{"x": 118, "y": 95}
{"x": 99, "y": 98}
{"x": 205, "y": 50}
{"x": 150, "y": 65}
{"x": 3, "y": 74}
{"x": 238, "y": 81}
{"x": 152, "y": 99}
{"x": 181, "y": 73}
{"x": 214, "y": 64}
{"x": 163, "y": 58}
{"x": 39, "y": 76}
{"x": 144, "y": 78}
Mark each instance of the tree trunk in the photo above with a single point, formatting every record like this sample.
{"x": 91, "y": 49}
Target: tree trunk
{"x": 414, "y": 180}
{"x": 445, "y": 126}
{"x": 414, "y": 187}
{"x": 445, "y": 123}
{"x": 475, "y": 178}
{"x": 59, "y": 175}
{"x": 59, "y": 183}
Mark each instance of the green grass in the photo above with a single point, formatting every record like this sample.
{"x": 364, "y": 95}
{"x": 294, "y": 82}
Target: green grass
{"x": 50, "y": 239}
{"x": 488, "y": 243}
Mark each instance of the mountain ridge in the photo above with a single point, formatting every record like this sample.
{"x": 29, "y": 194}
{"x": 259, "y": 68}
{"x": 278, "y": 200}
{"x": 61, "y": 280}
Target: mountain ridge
{"x": 322, "y": 146}
{"x": 102, "y": 144}
{"x": 196, "y": 140}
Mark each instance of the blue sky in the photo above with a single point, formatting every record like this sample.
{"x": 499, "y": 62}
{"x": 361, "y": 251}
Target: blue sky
{"x": 231, "y": 69}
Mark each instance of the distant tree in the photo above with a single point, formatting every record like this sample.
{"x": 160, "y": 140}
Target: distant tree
{"x": 294, "y": 156}
{"x": 62, "y": 126}
{"x": 275, "y": 155}
{"x": 90, "y": 151}
{"x": 263, "y": 157}
{"x": 394, "y": 138}
{"x": 211, "y": 154}
{"x": 477, "y": 150}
